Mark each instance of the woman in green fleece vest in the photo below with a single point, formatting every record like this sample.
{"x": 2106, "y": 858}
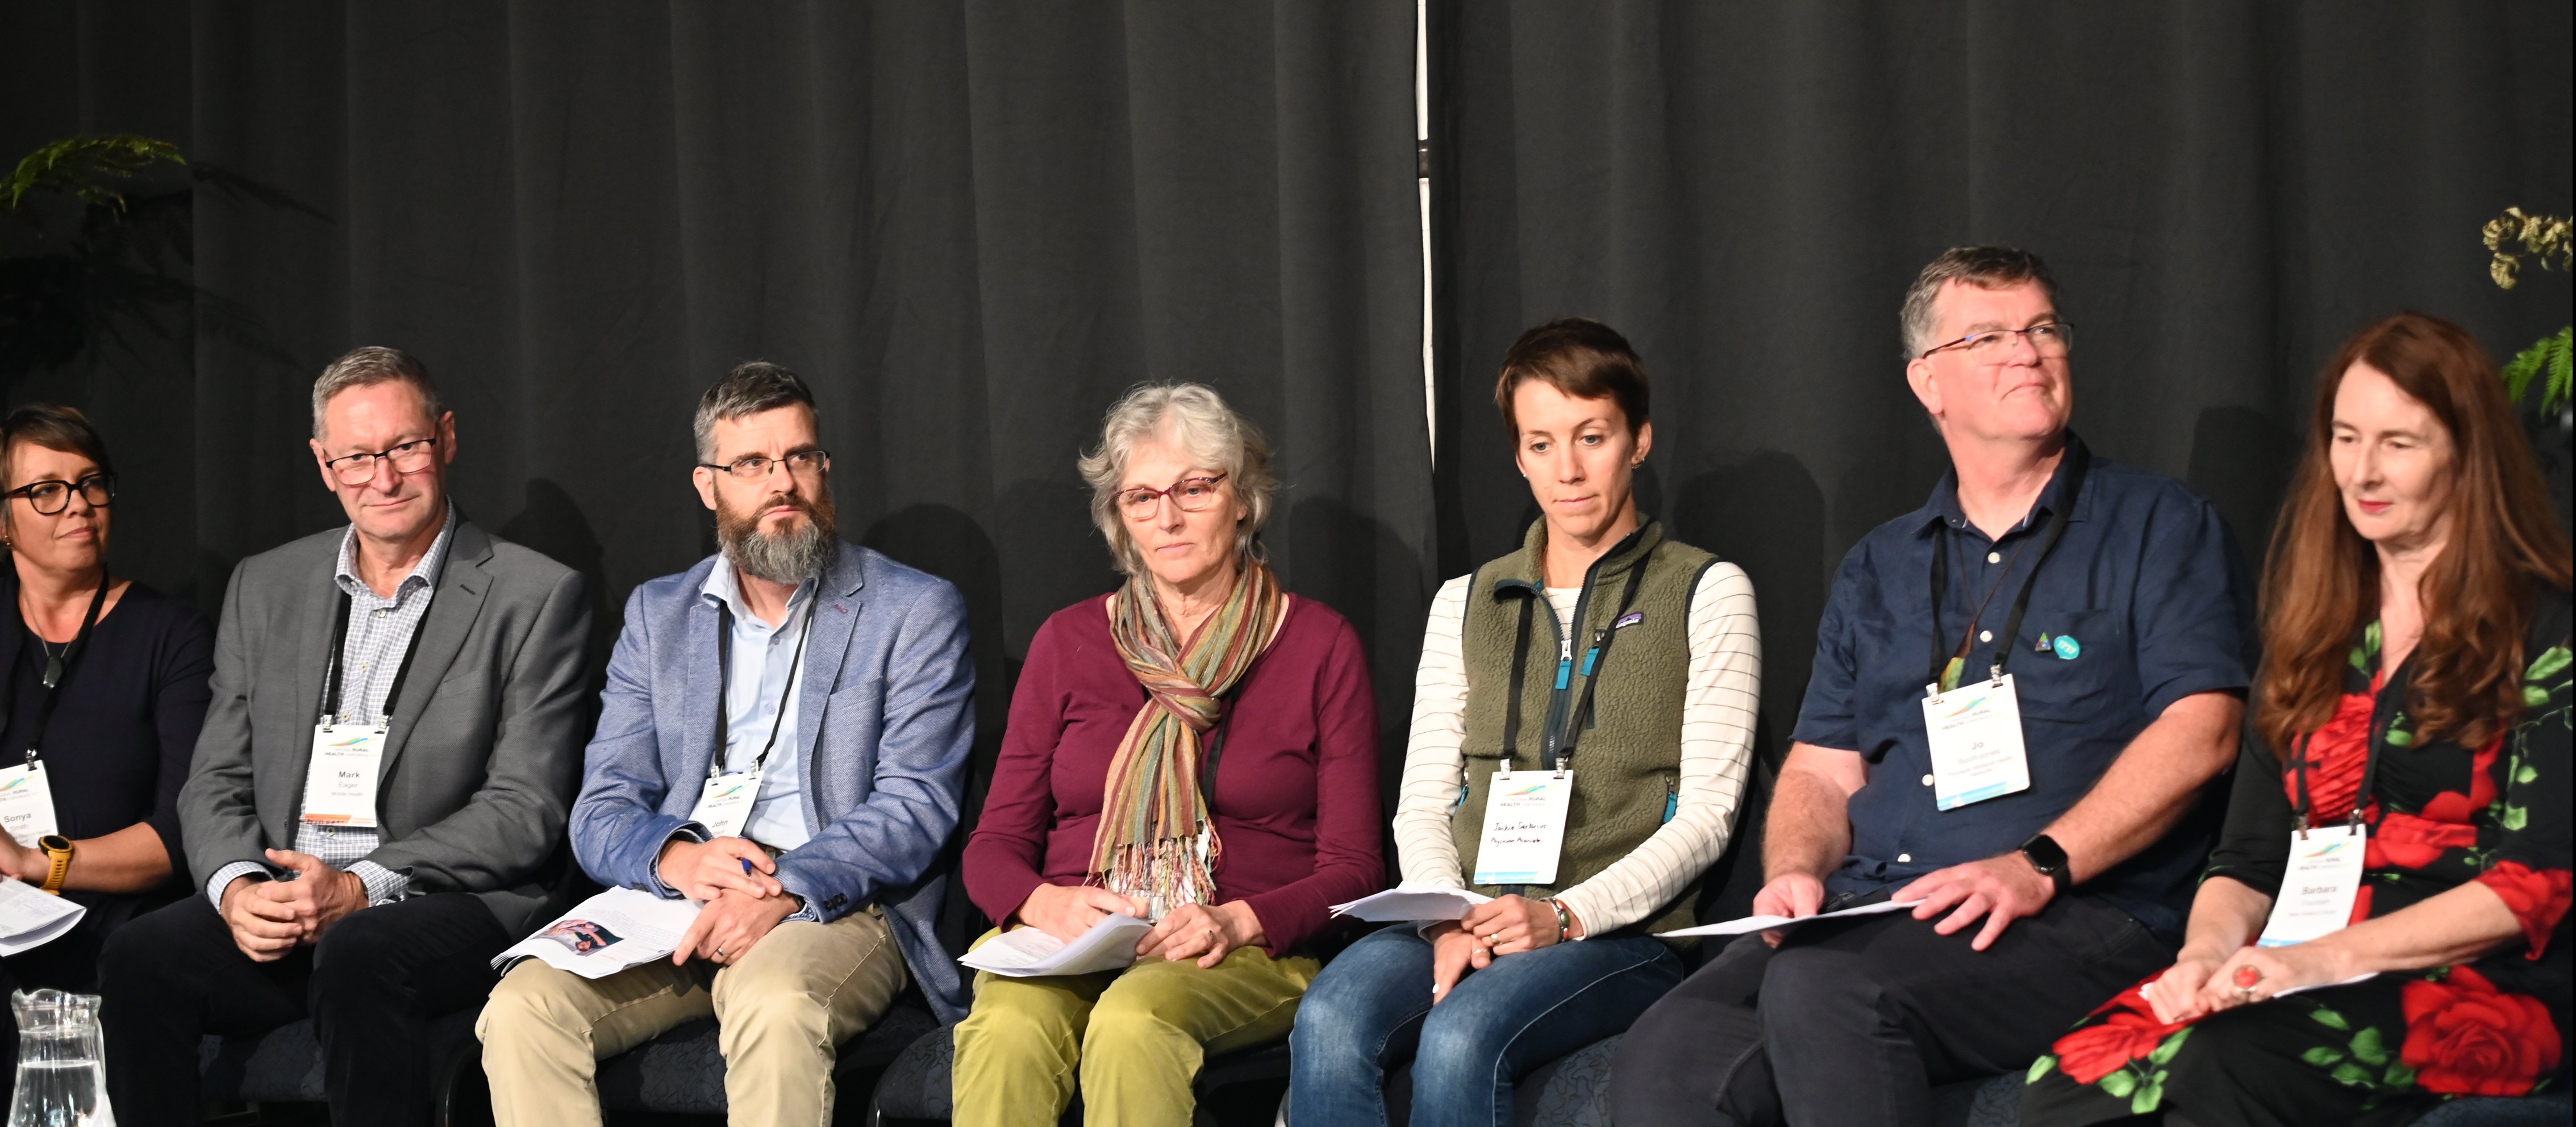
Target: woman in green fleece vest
{"x": 1597, "y": 690}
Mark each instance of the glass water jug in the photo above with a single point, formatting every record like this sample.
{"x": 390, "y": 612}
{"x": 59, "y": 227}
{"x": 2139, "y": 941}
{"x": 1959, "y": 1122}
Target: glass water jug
{"x": 62, "y": 1079}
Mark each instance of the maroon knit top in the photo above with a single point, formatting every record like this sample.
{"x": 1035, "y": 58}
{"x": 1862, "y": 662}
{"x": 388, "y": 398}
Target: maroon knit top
{"x": 1296, "y": 784}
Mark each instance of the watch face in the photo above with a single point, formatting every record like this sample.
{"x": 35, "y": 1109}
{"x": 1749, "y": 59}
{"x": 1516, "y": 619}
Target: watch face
{"x": 54, "y": 843}
{"x": 2044, "y": 854}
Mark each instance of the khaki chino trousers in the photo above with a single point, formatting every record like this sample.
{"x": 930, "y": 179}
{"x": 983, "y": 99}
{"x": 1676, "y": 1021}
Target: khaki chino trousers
{"x": 780, "y": 1010}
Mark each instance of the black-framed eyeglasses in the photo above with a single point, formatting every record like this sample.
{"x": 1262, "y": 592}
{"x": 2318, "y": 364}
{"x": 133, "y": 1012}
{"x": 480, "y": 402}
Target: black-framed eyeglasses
{"x": 409, "y": 458}
{"x": 807, "y": 464}
{"x": 1190, "y": 494}
{"x": 2051, "y": 339}
{"x": 53, "y": 495}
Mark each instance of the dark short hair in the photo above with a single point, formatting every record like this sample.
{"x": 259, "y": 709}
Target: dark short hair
{"x": 1987, "y": 268}
{"x": 748, "y": 389}
{"x": 1581, "y": 357}
{"x": 367, "y": 367}
{"x": 54, "y": 427}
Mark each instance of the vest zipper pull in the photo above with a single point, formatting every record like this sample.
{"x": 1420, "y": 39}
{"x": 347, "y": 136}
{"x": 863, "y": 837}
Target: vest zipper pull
{"x": 1564, "y": 662}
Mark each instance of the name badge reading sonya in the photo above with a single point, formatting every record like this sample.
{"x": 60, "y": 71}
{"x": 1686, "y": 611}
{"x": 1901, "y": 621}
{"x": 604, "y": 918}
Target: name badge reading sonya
{"x": 26, "y": 803}
{"x": 340, "y": 782}
{"x": 724, "y": 804}
{"x": 2318, "y": 886}
{"x": 1975, "y": 731}
{"x": 1524, "y": 827}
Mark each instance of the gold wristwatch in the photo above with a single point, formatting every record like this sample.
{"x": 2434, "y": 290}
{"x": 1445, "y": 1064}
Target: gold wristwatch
{"x": 58, "y": 849}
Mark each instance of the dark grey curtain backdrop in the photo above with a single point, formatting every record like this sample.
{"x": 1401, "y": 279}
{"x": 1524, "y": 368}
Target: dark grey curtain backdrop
{"x": 2225, "y": 190}
{"x": 970, "y": 225}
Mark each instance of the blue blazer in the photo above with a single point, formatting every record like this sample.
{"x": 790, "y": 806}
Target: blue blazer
{"x": 886, "y": 717}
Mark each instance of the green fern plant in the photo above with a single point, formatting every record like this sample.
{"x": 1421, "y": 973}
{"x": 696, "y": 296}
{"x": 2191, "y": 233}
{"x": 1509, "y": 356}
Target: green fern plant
{"x": 91, "y": 167}
{"x": 2544, "y": 242}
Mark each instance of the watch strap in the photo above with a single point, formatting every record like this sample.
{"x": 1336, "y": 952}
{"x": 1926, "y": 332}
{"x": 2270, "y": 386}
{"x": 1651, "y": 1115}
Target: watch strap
{"x": 61, "y": 858}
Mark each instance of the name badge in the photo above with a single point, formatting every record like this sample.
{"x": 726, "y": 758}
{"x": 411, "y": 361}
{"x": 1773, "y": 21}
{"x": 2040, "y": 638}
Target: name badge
{"x": 724, "y": 803}
{"x": 1524, "y": 827}
{"x": 2317, "y": 890}
{"x": 340, "y": 781}
{"x": 26, "y": 803}
{"x": 1975, "y": 731}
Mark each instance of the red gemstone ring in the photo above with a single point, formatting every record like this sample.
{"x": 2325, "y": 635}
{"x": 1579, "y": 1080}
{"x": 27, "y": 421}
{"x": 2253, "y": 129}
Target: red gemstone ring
{"x": 2247, "y": 976}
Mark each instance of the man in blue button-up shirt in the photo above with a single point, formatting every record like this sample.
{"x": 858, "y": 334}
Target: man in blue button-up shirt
{"x": 2113, "y": 600}
{"x": 783, "y": 739}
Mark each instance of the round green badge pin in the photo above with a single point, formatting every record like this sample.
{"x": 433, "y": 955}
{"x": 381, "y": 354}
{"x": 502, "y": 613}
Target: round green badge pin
{"x": 2068, "y": 649}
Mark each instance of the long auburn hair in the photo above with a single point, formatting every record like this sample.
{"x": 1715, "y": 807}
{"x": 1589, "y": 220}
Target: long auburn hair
{"x": 2321, "y": 581}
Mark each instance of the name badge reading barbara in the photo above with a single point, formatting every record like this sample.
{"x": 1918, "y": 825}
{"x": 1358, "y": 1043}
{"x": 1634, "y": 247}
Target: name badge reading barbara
{"x": 724, "y": 803}
{"x": 1524, "y": 827}
{"x": 26, "y": 803}
{"x": 2318, "y": 886}
{"x": 340, "y": 781}
{"x": 1975, "y": 732}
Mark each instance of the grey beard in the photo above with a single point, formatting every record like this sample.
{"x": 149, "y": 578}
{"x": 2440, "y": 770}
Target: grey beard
{"x": 791, "y": 557}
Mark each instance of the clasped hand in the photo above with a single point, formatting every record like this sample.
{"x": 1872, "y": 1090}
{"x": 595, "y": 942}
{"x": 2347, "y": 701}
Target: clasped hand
{"x": 1505, "y": 925}
{"x": 730, "y": 924}
{"x": 700, "y": 870}
{"x": 269, "y": 918}
{"x": 2198, "y": 985}
{"x": 1201, "y": 932}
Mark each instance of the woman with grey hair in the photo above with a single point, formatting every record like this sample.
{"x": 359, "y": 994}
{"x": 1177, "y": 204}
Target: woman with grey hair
{"x": 1108, "y": 799}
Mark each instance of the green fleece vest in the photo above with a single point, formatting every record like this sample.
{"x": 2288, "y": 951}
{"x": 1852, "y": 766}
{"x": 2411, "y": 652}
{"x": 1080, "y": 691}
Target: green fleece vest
{"x": 1627, "y": 744}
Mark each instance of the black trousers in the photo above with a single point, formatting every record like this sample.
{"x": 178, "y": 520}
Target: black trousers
{"x": 371, "y": 984}
{"x": 1854, "y": 1022}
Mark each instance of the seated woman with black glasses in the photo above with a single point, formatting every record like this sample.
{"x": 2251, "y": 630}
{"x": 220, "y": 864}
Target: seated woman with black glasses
{"x": 102, "y": 688}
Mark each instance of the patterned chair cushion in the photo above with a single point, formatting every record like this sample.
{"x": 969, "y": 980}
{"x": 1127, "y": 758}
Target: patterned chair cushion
{"x": 682, "y": 1071}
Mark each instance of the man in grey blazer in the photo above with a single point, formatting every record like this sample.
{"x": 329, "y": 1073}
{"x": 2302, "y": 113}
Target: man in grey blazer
{"x": 378, "y": 798}
{"x": 783, "y": 739}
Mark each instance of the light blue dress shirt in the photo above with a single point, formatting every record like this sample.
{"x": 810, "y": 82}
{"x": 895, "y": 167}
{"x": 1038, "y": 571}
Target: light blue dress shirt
{"x": 757, "y": 702}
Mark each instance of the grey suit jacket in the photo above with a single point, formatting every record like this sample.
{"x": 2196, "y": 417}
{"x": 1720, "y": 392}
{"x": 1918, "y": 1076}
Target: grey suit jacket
{"x": 484, "y": 748}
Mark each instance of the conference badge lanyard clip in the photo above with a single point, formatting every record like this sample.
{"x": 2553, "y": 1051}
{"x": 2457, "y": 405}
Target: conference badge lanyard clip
{"x": 26, "y": 795}
{"x": 726, "y": 798}
{"x": 1973, "y": 731}
{"x": 2323, "y": 876}
{"x": 341, "y": 777}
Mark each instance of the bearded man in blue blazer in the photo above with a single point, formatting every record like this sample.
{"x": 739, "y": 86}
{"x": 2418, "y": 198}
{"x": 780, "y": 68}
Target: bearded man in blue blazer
{"x": 783, "y": 738}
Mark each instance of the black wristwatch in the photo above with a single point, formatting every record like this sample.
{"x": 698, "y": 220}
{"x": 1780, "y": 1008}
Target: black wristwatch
{"x": 2050, "y": 859}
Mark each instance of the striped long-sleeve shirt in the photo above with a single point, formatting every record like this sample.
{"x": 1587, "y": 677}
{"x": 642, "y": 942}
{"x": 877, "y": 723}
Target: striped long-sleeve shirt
{"x": 1721, "y": 700}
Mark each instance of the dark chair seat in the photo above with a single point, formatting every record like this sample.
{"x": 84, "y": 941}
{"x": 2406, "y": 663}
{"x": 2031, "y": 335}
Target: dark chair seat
{"x": 284, "y": 1065}
{"x": 682, "y": 1071}
{"x": 916, "y": 1085}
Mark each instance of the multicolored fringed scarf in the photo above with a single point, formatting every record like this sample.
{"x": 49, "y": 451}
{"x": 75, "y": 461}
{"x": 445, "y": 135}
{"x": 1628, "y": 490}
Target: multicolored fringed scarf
{"x": 1157, "y": 840}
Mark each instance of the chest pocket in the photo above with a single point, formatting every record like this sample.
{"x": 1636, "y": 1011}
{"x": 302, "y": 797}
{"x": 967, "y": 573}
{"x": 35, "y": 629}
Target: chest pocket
{"x": 2074, "y": 665}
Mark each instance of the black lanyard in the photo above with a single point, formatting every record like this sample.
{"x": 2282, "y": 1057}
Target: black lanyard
{"x": 1577, "y": 718}
{"x": 2058, "y": 519}
{"x": 331, "y": 686}
{"x": 58, "y": 669}
{"x": 2369, "y": 763}
{"x": 724, "y": 666}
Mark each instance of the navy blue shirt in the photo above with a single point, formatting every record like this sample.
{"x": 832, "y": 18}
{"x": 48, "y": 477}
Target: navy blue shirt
{"x": 2142, "y": 603}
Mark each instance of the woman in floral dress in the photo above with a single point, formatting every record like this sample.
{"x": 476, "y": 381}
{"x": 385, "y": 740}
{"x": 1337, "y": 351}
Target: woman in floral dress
{"x": 2416, "y": 627}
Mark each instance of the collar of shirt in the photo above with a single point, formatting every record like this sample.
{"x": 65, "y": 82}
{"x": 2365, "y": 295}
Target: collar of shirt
{"x": 423, "y": 574}
{"x": 1943, "y": 506}
{"x": 724, "y": 586}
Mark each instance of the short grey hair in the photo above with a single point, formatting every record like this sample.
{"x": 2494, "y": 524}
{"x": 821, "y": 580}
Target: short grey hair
{"x": 1194, "y": 418}
{"x": 1987, "y": 268}
{"x": 367, "y": 367}
{"x": 748, "y": 389}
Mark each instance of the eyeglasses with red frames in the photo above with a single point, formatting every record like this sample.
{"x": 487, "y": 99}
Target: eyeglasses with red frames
{"x": 1190, "y": 494}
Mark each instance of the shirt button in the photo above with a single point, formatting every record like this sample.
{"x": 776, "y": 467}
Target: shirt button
{"x": 383, "y": 611}
{"x": 1904, "y": 858}
{"x": 1927, "y": 780}
{"x": 1985, "y": 635}
{"x": 1994, "y": 557}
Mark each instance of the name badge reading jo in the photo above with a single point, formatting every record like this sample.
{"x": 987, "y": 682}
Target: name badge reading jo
{"x": 1975, "y": 733}
{"x": 340, "y": 780}
{"x": 26, "y": 803}
{"x": 2318, "y": 886}
{"x": 1524, "y": 827}
{"x": 724, "y": 803}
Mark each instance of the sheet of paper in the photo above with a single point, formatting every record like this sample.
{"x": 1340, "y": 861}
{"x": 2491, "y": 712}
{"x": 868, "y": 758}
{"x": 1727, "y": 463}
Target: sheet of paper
{"x": 1410, "y": 903}
{"x": 607, "y": 933}
{"x": 1026, "y": 952}
{"x": 30, "y": 919}
{"x": 1766, "y": 923}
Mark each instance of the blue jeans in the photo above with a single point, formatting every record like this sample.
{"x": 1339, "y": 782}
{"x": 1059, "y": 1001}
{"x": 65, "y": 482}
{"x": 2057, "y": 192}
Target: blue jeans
{"x": 1371, "y": 1010}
